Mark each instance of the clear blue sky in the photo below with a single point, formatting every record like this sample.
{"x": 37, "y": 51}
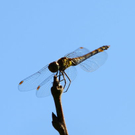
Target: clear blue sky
{"x": 35, "y": 33}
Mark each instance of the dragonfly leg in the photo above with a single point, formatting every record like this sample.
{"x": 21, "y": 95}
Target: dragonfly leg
{"x": 59, "y": 75}
{"x": 62, "y": 73}
{"x": 65, "y": 80}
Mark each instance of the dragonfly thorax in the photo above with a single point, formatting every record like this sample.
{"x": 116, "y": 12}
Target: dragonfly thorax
{"x": 61, "y": 64}
{"x": 64, "y": 63}
{"x": 53, "y": 67}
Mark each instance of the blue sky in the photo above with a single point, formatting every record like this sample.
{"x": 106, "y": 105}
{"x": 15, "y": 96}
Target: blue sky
{"x": 35, "y": 33}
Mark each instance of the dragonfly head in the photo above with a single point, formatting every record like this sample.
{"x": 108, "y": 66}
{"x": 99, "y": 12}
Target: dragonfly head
{"x": 53, "y": 67}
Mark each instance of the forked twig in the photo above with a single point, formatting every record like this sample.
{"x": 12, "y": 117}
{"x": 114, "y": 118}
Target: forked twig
{"x": 58, "y": 121}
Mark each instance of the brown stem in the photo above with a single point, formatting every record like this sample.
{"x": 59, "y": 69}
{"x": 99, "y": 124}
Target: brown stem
{"x": 58, "y": 121}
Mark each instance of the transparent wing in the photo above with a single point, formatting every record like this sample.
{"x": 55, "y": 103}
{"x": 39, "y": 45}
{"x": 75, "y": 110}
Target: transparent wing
{"x": 45, "y": 87}
{"x": 78, "y": 52}
{"x": 72, "y": 73}
{"x": 91, "y": 64}
{"x": 34, "y": 80}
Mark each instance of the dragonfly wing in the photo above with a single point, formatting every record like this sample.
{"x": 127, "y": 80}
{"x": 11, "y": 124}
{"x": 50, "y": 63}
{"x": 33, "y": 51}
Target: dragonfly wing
{"x": 93, "y": 63}
{"x": 34, "y": 80}
{"x": 71, "y": 72}
{"x": 44, "y": 88}
{"x": 78, "y": 52}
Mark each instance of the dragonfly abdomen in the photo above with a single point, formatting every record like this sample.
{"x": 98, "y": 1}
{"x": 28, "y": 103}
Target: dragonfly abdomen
{"x": 100, "y": 49}
{"x": 80, "y": 59}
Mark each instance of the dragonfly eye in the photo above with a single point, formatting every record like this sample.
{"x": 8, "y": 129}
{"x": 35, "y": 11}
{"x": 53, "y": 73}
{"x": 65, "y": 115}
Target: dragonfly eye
{"x": 53, "y": 67}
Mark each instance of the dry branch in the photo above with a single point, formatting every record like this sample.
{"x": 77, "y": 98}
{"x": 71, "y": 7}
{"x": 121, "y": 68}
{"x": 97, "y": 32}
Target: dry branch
{"x": 58, "y": 121}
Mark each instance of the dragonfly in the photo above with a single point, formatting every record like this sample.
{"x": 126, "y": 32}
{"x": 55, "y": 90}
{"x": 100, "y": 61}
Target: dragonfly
{"x": 65, "y": 70}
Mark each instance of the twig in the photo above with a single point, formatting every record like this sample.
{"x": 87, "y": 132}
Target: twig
{"x": 58, "y": 121}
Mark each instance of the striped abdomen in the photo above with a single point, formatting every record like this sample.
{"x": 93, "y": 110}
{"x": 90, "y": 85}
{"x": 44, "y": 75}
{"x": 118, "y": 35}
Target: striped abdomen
{"x": 76, "y": 61}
